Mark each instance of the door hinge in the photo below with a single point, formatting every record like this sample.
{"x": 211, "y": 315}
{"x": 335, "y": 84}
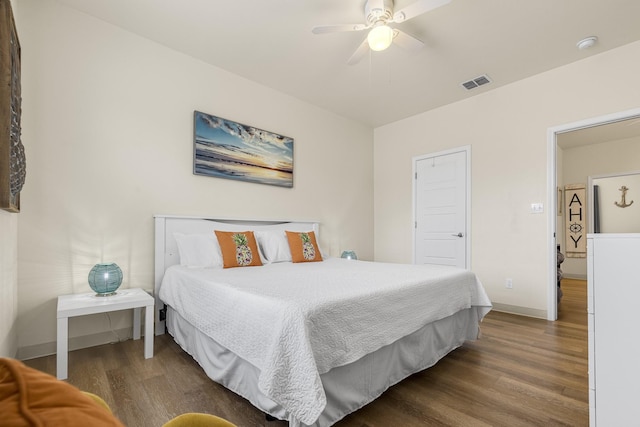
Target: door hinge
{"x": 416, "y": 176}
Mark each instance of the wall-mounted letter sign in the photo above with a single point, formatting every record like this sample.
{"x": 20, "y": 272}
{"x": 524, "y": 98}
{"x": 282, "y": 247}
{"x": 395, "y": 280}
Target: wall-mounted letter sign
{"x": 575, "y": 224}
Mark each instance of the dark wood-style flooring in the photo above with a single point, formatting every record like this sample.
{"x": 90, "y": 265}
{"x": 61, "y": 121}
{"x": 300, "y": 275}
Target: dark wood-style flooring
{"x": 522, "y": 372}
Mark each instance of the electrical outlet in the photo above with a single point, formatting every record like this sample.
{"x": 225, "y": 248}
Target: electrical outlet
{"x": 537, "y": 208}
{"x": 508, "y": 284}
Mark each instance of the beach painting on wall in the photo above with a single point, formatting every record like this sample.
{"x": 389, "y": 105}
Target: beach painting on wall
{"x": 226, "y": 149}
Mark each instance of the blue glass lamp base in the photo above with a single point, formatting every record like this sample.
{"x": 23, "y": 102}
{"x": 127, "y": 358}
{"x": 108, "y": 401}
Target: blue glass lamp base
{"x": 105, "y": 294}
{"x": 105, "y": 279}
{"x": 349, "y": 255}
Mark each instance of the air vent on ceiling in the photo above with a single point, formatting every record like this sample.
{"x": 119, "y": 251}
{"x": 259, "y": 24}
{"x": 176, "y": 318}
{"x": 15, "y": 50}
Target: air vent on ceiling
{"x": 478, "y": 81}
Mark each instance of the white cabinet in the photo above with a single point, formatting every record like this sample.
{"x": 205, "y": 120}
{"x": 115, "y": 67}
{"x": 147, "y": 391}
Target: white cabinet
{"x": 613, "y": 272}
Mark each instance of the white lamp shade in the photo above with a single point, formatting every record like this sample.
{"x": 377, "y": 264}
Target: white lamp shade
{"x": 380, "y": 38}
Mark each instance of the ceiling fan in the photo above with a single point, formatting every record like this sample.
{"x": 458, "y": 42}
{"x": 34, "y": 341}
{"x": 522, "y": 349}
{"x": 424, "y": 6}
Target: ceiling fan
{"x": 378, "y": 14}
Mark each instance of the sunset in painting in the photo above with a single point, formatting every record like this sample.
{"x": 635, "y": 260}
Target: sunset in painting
{"x": 227, "y": 149}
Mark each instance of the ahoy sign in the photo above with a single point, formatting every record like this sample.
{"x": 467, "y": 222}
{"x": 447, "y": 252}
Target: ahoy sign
{"x": 575, "y": 221}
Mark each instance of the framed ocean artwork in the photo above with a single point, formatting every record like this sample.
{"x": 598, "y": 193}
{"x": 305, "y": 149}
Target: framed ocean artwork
{"x": 231, "y": 150}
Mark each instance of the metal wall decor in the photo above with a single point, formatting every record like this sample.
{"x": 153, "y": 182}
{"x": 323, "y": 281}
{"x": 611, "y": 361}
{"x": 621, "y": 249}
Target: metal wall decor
{"x": 12, "y": 156}
{"x": 623, "y": 201}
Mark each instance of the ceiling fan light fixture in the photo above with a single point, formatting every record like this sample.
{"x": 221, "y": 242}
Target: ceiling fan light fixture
{"x": 380, "y": 37}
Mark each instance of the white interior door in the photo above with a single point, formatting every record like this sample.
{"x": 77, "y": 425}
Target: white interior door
{"x": 441, "y": 200}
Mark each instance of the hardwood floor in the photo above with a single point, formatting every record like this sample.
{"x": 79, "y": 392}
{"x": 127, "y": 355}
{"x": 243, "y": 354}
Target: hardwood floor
{"x": 521, "y": 372}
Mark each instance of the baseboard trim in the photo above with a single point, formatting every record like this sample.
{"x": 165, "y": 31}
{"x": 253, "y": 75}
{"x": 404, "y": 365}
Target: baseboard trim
{"x": 9, "y": 346}
{"x": 75, "y": 343}
{"x": 574, "y": 276}
{"x": 522, "y": 311}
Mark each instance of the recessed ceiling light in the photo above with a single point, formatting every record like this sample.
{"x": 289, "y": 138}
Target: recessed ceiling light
{"x": 587, "y": 43}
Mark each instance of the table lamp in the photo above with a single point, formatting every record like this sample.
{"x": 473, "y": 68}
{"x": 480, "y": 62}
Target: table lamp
{"x": 105, "y": 279}
{"x": 349, "y": 255}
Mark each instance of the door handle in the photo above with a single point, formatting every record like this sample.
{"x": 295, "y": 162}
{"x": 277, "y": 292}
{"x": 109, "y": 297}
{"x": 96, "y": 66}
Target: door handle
{"x": 458, "y": 235}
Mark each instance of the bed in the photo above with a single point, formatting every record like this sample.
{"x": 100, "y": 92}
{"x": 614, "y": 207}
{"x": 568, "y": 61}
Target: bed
{"x": 307, "y": 342}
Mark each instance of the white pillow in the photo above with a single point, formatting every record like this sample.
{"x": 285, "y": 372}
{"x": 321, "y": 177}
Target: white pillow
{"x": 199, "y": 250}
{"x": 273, "y": 245}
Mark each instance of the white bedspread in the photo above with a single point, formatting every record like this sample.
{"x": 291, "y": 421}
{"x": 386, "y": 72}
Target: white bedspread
{"x": 296, "y": 321}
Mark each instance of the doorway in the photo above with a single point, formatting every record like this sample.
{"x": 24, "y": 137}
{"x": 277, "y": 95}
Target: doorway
{"x": 591, "y": 131}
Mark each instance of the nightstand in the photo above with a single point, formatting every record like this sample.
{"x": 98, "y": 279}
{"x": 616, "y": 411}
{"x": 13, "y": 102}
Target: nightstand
{"x": 81, "y": 304}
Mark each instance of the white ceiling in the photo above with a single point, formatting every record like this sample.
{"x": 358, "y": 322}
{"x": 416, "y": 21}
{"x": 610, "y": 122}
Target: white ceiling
{"x": 270, "y": 42}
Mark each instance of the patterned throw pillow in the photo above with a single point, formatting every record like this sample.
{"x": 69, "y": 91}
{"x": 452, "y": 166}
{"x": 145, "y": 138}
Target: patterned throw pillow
{"x": 303, "y": 246}
{"x": 239, "y": 248}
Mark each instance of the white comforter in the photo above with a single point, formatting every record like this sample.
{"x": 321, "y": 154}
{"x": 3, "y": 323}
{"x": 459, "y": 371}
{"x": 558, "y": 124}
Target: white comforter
{"x": 297, "y": 321}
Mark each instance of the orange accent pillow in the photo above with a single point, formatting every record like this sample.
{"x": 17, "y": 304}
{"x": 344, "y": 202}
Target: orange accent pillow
{"x": 303, "y": 246}
{"x": 239, "y": 248}
{"x": 31, "y": 398}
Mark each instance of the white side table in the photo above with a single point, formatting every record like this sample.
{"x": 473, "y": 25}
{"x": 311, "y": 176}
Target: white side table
{"x": 81, "y": 304}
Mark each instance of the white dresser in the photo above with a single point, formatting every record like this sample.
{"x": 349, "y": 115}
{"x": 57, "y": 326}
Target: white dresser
{"x": 613, "y": 272}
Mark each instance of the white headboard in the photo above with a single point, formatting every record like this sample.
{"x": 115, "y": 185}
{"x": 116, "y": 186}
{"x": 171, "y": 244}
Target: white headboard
{"x": 166, "y": 248}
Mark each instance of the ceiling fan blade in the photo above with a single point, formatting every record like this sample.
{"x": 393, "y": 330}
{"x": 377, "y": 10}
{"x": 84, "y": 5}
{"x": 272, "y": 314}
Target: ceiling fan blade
{"x": 360, "y": 52}
{"x": 323, "y": 29}
{"x": 416, "y": 8}
{"x": 406, "y": 41}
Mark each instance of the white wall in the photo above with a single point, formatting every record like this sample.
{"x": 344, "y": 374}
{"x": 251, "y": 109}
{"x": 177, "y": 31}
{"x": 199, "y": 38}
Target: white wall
{"x": 614, "y": 218}
{"x": 108, "y": 125}
{"x": 8, "y": 283}
{"x": 9, "y": 271}
{"x": 507, "y": 129}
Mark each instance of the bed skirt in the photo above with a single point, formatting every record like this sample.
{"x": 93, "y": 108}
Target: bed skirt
{"x": 347, "y": 387}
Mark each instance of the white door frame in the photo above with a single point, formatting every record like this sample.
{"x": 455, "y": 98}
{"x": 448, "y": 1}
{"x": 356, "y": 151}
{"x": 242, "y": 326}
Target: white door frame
{"x": 552, "y": 195}
{"x": 467, "y": 234}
